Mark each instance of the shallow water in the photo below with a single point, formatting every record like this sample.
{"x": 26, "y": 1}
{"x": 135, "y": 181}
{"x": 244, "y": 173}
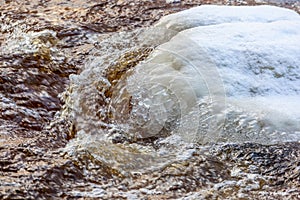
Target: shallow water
{"x": 108, "y": 158}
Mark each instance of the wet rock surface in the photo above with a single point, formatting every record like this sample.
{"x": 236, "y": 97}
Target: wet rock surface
{"x": 249, "y": 171}
{"x": 42, "y": 43}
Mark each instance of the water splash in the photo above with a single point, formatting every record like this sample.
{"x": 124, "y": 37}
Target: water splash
{"x": 145, "y": 89}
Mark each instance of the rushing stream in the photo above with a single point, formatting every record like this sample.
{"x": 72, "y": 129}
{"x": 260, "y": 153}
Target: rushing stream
{"x": 204, "y": 104}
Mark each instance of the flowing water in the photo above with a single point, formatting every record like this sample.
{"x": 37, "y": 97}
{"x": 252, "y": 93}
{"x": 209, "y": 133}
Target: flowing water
{"x": 129, "y": 115}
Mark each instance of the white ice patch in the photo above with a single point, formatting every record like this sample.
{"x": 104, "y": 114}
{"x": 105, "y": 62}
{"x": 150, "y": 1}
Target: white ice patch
{"x": 252, "y": 51}
{"x": 211, "y": 15}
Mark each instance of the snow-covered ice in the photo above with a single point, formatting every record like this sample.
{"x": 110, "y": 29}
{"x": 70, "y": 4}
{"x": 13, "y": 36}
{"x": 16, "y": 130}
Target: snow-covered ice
{"x": 246, "y": 60}
{"x": 212, "y": 14}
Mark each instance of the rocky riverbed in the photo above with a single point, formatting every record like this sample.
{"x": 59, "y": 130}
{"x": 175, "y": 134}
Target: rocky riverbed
{"x": 42, "y": 44}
